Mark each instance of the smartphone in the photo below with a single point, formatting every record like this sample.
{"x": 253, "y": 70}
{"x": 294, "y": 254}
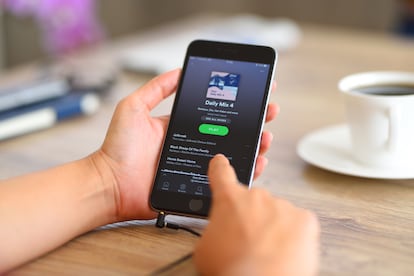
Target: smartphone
{"x": 219, "y": 107}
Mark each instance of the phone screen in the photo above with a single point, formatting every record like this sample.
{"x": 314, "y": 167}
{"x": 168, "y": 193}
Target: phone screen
{"x": 220, "y": 106}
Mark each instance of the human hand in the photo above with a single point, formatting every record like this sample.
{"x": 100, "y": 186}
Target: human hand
{"x": 252, "y": 233}
{"x": 133, "y": 144}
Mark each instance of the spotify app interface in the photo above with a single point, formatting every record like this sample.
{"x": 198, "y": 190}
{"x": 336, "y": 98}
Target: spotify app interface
{"x": 219, "y": 111}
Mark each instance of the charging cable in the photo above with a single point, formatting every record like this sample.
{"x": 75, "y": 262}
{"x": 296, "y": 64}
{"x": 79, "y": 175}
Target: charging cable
{"x": 161, "y": 223}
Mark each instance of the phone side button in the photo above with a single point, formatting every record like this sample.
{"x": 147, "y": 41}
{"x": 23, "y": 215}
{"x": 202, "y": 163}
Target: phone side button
{"x": 195, "y": 204}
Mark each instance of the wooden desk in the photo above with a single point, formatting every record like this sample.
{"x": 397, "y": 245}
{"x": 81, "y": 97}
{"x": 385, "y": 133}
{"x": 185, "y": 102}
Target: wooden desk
{"x": 367, "y": 225}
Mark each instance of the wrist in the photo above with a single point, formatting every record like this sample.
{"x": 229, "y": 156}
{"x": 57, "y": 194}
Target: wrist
{"x": 107, "y": 185}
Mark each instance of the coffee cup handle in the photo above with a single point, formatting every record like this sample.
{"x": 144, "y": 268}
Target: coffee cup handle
{"x": 393, "y": 128}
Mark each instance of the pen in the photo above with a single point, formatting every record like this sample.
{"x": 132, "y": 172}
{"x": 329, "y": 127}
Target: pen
{"x": 44, "y": 115}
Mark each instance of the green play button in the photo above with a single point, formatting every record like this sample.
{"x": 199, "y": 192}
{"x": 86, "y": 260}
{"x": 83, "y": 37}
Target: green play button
{"x": 213, "y": 129}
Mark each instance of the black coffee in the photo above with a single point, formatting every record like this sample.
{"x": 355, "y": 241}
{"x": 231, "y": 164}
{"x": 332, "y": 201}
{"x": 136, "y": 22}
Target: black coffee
{"x": 387, "y": 90}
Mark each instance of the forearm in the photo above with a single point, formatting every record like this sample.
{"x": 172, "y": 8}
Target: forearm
{"x": 43, "y": 210}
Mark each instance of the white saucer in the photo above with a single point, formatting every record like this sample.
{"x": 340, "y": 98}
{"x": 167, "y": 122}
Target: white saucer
{"x": 330, "y": 148}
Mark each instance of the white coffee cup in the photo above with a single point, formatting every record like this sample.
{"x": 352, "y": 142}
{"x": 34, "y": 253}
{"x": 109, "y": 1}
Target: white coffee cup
{"x": 382, "y": 124}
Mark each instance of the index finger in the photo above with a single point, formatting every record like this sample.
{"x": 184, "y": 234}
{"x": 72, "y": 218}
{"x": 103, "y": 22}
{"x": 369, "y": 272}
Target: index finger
{"x": 159, "y": 88}
{"x": 221, "y": 174}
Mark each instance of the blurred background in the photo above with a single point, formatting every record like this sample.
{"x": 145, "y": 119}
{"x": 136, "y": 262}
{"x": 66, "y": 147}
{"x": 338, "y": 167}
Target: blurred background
{"x": 21, "y": 34}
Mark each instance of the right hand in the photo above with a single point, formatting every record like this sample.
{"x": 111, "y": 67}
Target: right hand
{"x": 252, "y": 233}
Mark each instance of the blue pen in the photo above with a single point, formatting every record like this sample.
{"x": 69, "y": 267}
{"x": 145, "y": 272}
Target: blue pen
{"x": 44, "y": 115}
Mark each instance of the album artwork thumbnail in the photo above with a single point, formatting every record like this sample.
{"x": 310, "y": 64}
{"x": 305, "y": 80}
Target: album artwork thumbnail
{"x": 223, "y": 86}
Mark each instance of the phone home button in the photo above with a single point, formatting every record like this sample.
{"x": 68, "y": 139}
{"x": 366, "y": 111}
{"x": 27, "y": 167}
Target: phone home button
{"x": 195, "y": 204}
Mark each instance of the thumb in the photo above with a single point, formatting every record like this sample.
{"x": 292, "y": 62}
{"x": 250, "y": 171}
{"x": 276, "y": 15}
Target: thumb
{"x": 221, "y": 174}
{"x": 159, "y": 88}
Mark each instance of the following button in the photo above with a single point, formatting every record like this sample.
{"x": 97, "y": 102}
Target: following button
{"x": 213, "y": 129}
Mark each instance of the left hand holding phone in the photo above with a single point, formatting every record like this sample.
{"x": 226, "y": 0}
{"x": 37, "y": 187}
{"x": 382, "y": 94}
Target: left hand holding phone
{"x": 133, "y": 143}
